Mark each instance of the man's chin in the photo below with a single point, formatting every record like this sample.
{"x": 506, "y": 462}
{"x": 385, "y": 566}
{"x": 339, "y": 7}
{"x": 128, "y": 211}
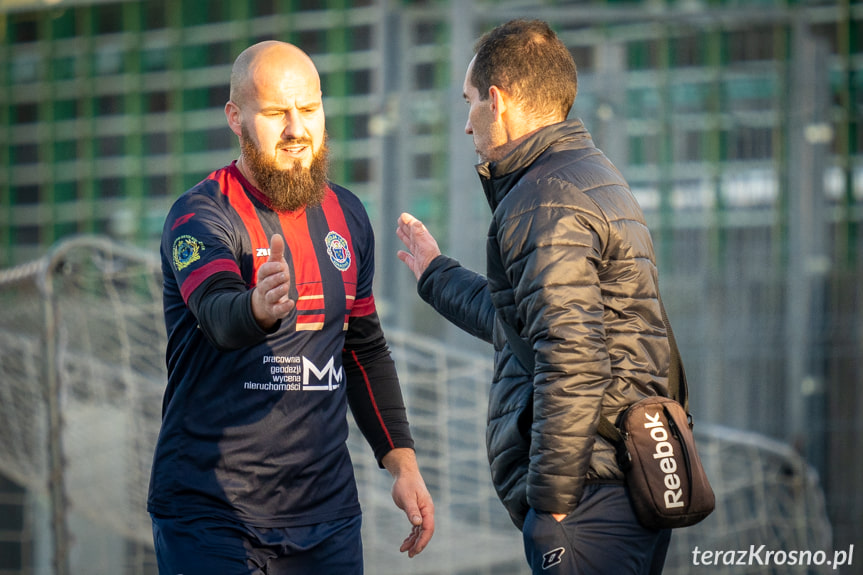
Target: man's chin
{"x": 289, "y": 162}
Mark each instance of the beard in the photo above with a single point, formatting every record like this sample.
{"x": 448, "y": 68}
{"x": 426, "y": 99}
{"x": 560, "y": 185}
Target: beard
{"x": 287, "y": 189}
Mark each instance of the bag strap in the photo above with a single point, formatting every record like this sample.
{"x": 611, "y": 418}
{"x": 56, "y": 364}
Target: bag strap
{"x": 677, "y": 387}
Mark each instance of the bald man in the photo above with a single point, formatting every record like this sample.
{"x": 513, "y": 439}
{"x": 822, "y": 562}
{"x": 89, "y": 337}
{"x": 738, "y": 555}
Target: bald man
{"x": 272, "y": 335}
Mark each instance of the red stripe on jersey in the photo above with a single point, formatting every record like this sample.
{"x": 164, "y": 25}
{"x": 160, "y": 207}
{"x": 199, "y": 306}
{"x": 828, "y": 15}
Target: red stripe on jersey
{"x": 198, "y": 276}
{"x": 310, "y": 289}
{"x": 241, "y": 203}
{"x": 372, "y": 400}
{"x": 364, "y": 306}
{"x": 181, "y": 220}
{"x": 307, "y": 303}
{"x": 336, "y": 220}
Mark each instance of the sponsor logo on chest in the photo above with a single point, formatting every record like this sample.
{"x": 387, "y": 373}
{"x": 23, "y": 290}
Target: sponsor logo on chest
{"x": 299, "y": 373}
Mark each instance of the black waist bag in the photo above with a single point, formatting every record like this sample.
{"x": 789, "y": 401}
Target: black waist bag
{"x": 667, "y": 484}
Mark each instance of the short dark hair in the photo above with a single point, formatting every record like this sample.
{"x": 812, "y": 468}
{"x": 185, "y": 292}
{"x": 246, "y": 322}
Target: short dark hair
{"x": 526, "y": 59}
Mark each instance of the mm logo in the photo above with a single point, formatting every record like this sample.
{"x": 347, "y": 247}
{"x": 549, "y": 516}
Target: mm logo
{"x": 327, "y": 379}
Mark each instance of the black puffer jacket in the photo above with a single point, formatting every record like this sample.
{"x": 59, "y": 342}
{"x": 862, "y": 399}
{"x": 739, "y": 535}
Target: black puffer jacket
{"x": 571, "y": 265}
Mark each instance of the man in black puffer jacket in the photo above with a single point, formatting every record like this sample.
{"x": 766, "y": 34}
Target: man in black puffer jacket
{"x": 571, "y": 266}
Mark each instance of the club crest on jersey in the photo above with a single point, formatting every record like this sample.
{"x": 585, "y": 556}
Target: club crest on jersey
{"x": 187, "y": 250}
{"x": 337, "y": 248}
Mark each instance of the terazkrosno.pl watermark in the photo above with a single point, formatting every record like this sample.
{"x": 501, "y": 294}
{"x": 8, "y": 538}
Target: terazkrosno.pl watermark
{"x": 761, "y": 555}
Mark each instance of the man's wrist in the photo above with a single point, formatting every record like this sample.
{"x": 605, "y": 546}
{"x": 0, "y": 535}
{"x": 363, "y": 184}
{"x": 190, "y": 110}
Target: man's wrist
{"x": 400, "y": 460}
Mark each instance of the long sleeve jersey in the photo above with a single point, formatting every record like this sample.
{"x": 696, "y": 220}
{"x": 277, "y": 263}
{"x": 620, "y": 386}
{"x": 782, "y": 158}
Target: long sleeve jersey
{"x": 254, "y": 423}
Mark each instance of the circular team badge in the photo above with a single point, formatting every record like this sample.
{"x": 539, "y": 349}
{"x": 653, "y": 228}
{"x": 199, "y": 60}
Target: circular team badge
{"x": 337, "y": 248}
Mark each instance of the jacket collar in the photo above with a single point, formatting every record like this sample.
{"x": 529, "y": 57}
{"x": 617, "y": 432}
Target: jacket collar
{"x": 499, "y": 177}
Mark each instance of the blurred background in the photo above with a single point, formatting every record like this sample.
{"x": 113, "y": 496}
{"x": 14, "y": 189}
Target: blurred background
{"x": 737, "y": 123}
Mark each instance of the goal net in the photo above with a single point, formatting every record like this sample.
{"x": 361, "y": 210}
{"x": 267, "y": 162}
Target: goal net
{"x": 82, "y": 373}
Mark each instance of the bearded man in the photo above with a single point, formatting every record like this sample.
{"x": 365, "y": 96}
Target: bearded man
{"x": 272, "y": 335}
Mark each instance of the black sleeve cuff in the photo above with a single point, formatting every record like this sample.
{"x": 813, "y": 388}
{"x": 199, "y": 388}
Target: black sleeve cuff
{"x": 223, "y": 307}
{"x": 460, "y": 295}
{"x": 427, "y": 282}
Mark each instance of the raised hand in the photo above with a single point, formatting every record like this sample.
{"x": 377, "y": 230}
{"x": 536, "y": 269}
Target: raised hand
{"x": 271, "y": 299}
{"x": 421, "y": 246}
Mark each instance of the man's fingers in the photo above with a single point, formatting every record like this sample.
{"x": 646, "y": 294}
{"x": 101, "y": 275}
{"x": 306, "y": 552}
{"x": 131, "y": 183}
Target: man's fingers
{"x": 400, "y": 233}
{"x": 422, "y": 540}
{"x": 279, "y": 293}
{"x": 407, "y": 226}
{"x": 273, "y": 286}
{"x": 407, "y": 218}
{"x": 422, "y": 530}
{"x": 283, "y": 308}
{"x": 277, "y": 249}
{"x": 277, "y": 278}
{"x": 410, "y": 542}
{"x": 417, "y": 541}
{"x": 404, "y": 256}
{"x": 403, "y": 233}
{"x": 420, "y": 246}
{"x": 276, "y": 296}
{"x": 426, "y": 530}
{"x": 274, "y": 278}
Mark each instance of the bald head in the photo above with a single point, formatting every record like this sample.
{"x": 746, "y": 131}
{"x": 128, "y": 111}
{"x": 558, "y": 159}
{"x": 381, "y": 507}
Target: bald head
{"x": 268, "y": 62}
{"x": 277, "y": 112}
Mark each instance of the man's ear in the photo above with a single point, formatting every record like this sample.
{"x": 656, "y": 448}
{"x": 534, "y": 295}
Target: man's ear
{"x": 498, "y": 101}
{"x": 232, "y": 113}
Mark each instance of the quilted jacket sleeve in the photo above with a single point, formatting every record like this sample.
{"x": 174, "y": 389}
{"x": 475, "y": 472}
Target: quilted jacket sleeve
{"x": 551, "y": 247}
{"x": 460, "y": 295}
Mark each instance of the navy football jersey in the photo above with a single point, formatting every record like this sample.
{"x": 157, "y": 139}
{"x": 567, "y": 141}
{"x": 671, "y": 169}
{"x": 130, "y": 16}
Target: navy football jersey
{"x": 257, "y": 434}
